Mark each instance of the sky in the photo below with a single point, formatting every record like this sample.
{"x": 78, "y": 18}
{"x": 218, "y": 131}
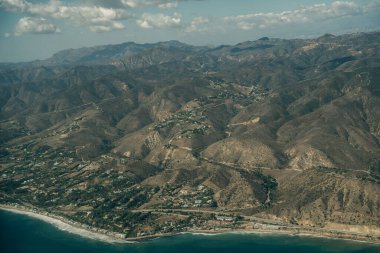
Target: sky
{"x": 36, "y": 29}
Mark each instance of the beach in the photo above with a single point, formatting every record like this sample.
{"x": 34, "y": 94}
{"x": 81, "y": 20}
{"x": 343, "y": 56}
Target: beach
{"x": 25, "y": 234}
{"x": 64, "y": 225}
{"x": 316, "y": 233}
{"x": 112, "y": 237}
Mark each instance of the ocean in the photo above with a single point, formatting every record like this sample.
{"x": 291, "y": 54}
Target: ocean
{"x": 23, "y": 234}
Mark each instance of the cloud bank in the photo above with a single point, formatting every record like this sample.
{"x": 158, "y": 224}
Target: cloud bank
{"x": 95, "y": 17}
{"x": 109, "y": 15}
{"x": 198, "y": 25}
{"x": 316, "y": 12}
{"x": 35, "y": 25}
{"x": 99, "y": 15}
{"x": 159, "y": 20}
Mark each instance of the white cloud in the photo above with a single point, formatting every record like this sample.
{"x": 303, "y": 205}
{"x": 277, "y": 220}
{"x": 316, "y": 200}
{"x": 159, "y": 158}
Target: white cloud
{"x": 102, "y": 15}
{"x": 92, "y": 16}
{"x": 311, "y": 13}
{"x": 164, "y": 4}
{"x": 373, "y": 5}
{"x": 169, "y": 5}
{"x": 95, "y": 17}
{"x": 159, "y": 20}
{"x": 103, "y": 28}
{"x": 35, "y": 25}
{"x": 14, "y": 5}
{"x": 197, "y": 25}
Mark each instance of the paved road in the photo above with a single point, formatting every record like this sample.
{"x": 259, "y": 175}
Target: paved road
{"x": 221, "y": 213}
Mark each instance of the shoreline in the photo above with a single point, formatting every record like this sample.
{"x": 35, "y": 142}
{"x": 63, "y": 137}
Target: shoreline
{"x": 63, "y": 224}
{"x": 264, "y": 232}
{"x": 82, "y": 230}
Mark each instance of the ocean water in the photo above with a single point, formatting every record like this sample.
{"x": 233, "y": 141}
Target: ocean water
{"x": 20, "y": 233}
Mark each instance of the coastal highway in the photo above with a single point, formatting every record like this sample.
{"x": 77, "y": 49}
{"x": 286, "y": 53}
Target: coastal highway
{"x": 271, "y": 225}
{"x": 219, "y": 213}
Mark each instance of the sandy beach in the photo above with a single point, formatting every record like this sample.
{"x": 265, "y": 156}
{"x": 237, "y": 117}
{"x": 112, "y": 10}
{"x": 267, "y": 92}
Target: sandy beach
{"x": 65, "y": 226}
{"x": 289, "y": 232}
{"x": 87, "y": 233}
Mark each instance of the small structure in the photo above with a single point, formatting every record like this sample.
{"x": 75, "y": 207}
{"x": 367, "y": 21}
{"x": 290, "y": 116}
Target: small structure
{"x": 225, "y": 218}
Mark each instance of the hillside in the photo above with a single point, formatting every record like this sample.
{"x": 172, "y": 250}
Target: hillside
{"x": 281, "y": 129}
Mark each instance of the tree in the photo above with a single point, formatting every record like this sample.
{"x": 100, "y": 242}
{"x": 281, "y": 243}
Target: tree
{"x": 374, "y": 167}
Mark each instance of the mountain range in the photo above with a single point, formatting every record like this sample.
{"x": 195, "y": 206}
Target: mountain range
{"x": 281, "y": 129}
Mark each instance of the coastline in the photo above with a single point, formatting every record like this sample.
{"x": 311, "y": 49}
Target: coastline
{"x": 110, "y": 237}
{"x": 64, "y": 225}
{"x": 325, "y": 235}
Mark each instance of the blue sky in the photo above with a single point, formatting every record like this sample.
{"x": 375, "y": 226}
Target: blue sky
{"x": 36, "y": 29}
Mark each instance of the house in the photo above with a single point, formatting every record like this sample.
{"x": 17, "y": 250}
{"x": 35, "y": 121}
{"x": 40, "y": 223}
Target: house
{"x": 225, "y": 218}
